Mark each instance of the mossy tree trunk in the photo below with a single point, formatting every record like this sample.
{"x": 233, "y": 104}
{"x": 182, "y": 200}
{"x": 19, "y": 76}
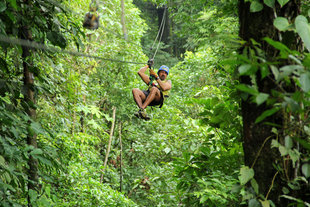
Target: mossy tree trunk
{"x": 257, "y": 25}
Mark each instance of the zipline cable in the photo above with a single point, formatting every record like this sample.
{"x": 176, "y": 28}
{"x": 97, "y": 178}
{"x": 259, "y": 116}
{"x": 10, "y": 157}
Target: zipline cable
{"x": 160, "y": 31}
{"x": 160, "y": 27}
{"x": 36, "y": 45}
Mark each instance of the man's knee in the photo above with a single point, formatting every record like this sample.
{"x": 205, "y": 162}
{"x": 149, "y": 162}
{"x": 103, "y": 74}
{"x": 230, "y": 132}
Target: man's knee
{"x": 135, "y": 90}
{"x": 154, "y": 90}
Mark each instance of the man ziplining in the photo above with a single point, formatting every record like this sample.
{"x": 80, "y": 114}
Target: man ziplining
{"x": 158, "y": 89}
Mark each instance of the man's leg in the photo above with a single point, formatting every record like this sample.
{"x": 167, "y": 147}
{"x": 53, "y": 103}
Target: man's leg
{"x": 153, "y": 96}
{"x": 138, "y": 96}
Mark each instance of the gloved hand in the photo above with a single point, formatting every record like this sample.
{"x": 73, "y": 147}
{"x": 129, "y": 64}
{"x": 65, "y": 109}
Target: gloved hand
{"x": 150, "y": 62}
{"x": 152, "y": 73}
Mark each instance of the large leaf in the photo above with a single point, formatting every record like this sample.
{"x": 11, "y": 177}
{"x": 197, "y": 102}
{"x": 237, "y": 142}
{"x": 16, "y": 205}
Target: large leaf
{"x": 281, "y": 23}
{"x": 269, "y": 3}
{"x": 247, "y": 89}
{"x": 303, "y": 29}
{"x": 261, "y": 98}
{"x": 306, "y": 169}
{"x": 265, "y": 114}
{"x": 304, "y": 80}
{"x": 2, "y": 6}
{"x": 283, "y": 2}
{"x": 246, "y": 174}
{"x": 256, "y": 6}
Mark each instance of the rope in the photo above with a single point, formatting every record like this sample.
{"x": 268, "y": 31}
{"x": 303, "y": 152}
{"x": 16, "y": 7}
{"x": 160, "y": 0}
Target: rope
{"x": 164, "y": 20}
{"x": 32, "y": 44}
{"x": 160, "y": 31}
{"x": 161, "y": 24}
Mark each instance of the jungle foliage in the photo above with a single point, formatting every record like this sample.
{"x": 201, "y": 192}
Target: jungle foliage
{"x": 190, "y": 153}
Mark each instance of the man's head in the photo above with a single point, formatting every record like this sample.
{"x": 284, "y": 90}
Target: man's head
{"x": 163, "y": 72}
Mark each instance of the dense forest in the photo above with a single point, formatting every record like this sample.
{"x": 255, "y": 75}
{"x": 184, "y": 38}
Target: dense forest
{"x": 234, "y": 131}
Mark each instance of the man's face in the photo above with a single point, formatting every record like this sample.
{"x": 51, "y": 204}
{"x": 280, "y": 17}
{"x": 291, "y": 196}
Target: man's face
{"x": 162, "y": 75}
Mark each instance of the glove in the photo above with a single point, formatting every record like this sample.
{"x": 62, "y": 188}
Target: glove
{"x": 152, "y": 73}
{"x": 150, "y": 62}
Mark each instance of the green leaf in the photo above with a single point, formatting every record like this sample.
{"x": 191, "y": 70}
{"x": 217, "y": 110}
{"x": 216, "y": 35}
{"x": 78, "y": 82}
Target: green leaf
{"x": 294, "y": 155}
{"x": 247, "y": 89}
{"x": 265, "y": 203}
{"x": 57, "y": 39}
{"x": 289, "y": 69}
{"x": 254, "y": 203}
{"x": 281, "y": 23}
{"x": 303, "y": 29}
{"x": 245, "y": 69}
{"x": 2, "y": 6}
{"x": 304, "y": 80}
{"x": 284, "y": 50}
{"x": 288, "y": 142}
{"x": 306, "y": 169}
{"x": 266, "y": 114}
{"x": 275, "y": 71}
{"x": 256, "y": 6}
{"x": 269, "y": 3}
{"x": 167, "y": 150}
{"x": 13, "y": 4}
{"x": 33, "y": 195}
{"x": 254, "y": 185}
{"x": 283, "y": 150}
{"x": 246, "y": 174}
{"x": 283, "y": 2}
{"x": 36, "y": 151}
{"x": 274, "y": 143}
{"x": 261, "y": 98}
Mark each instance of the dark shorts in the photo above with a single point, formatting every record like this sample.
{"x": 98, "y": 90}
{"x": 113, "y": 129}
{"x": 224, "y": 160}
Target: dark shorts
{"x": 155, "y": 103}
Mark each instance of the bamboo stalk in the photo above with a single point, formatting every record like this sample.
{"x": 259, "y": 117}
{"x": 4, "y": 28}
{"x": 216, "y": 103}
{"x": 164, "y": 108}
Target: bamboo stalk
{"x": 109, "y": 145}
{"x": 121, "y": 157}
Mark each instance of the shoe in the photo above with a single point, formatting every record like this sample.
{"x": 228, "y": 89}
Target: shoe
{"x": 143, "y": 115}
{"x": 137, "y": 114}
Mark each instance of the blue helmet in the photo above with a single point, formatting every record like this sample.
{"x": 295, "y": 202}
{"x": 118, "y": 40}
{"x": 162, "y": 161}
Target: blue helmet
{"x": 164, "y": 68}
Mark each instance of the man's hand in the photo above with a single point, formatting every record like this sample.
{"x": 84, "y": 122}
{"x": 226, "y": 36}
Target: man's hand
{"x": 152, "y": 73}
{"x": 150, "y": 62}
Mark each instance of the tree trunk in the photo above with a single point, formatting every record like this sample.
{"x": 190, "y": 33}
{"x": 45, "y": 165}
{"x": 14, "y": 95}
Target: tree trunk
{"x": 30, "y": 109}
{"x": 258, "y": 136}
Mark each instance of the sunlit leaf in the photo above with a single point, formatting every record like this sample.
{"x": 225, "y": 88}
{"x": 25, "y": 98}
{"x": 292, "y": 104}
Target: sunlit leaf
{"x": 261, "y": 98}
{"x": 265, "y": 203}
{"x": 304, "y": 80}
{"x": 303, "y": 29}
{"x": 246, "y": 174}
{"x": 281, "y": 23}
{"x": 306, "y": 169}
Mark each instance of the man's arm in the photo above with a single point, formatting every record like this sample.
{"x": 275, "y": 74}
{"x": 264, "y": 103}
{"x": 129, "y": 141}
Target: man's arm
{"x": 165, "y": 86}
{"x": 142, "y": 74}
